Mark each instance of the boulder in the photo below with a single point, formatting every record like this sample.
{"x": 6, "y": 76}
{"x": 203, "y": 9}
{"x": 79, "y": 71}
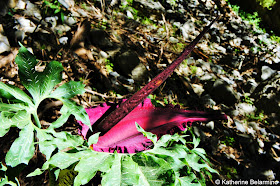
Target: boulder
{"x": 222, "y": 92}
{"x": 128, "y": 64}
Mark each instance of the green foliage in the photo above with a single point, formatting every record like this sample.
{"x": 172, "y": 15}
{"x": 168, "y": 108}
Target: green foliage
{"x": 259, "y": 117}
{"x": 109, "y": 65}
{"x": 170, "y": 161}
{"x": 127, "y": 6}
{"x": 53, "y": 7}
{"x": 154, "y": 101}
{"x": 5, "y": 179}
{"x": 248, "y": 100}
{"x": 229, "y": 171}
{"x": 275, "y": 38}
{"x": 267, "y": 3}
{"x": 147, "y": 21}
{"x": 193, "y": 69}
{"x": 178, "y": 47}
{"x": 252, "y": 19}
{"x": 229, "y": 141}
{"x": 18, "y": 109}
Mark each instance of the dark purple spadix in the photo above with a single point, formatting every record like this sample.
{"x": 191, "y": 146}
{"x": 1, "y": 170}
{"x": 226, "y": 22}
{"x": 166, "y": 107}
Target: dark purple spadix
{"x": 126, "y": 107}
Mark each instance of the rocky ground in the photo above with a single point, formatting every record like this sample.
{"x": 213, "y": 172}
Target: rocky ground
{"x": 115, "y": 47}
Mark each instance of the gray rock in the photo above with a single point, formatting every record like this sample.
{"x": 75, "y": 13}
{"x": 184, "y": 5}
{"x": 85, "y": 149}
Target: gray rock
{"x": 139, "y": 73}
{"x": 32, "y": 10}
{"x": 187, "y": 29}
{"x": 103, "y": 54}
{"x": 63, "y": 40}
{"x": 210, "y": 125}
{"x": 267, "y": 72}
{"x": 21, "y": 5}
{"x": 250, "y": 85}
{"x": 129, "y": 64}
{"x": 239, "y": 126}
{"x": 4, "y": 44}
{"x": 245, "y": 108}
{"x": 173, "y": 40}
{"x": 235, "y": 42}
{"x": 248, "y": 41}
{"x": 114, "y": 74}
{"x": 207, "y": 77}
{"x": 222, "y": 92}
{"x": 198, "y": 89}
{"x": 60, "y": 29}
{"x": 148, "y": 7}
{"x": 269, "y": 174}
{"x": 70, "y": 21}
{"x": 221, "y": 49}
{"x": 217, "y": 69}
{"x": 208, "y": 101}
{"x": 52, "y": 21}
{"x": 101, "y": 39}
{"x": 67, "y": 3}
{"x": 267, "y": 97}
{"x": 26, "y": 25}
{"x": 237, "y": 75}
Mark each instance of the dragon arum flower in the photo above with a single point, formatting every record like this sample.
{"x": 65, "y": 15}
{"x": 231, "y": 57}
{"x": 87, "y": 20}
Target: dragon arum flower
{"x": 118, "y": 130}
{"x": 124, "y": 137}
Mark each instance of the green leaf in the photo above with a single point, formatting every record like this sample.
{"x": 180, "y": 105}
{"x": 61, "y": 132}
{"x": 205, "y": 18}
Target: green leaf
{"x": 70, "y": 141}
{"x": 22, "y": 149}
{"x": 5, "y": 94}
{"x": 18, "y": 114}
{"x": 35, "y": 173}
{"x": 196, "y": 141}
{"x": 19, "y": 119}
{"x": 56, "y": 11}
{"x": 188, "y": 180}
{"x": 39, "y": 84}
{"x": 68, "y": 90}
{"x": 16, "y": 92}
{"x": 61, "y": 160}
{"x": 149, "y": 171}
{"x": 50, "y": 77}
{"x": 130, "y": 175}
{"x": 149, "y": 135}
{"x": 193, "y": 161}
{"x": 89, "y": 164}
{"x": 114, "y": 175}
{"x": 12, "y": 107}
{"x": 45, "y": 145}
{"x": 70, "y": 107}
{"x": 93, "y": 139}
{"x": 47, "y": 149}
{"x": 174, "y": 164}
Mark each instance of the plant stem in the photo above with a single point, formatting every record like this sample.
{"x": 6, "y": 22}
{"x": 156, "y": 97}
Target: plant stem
{"x": 37, "y": 121}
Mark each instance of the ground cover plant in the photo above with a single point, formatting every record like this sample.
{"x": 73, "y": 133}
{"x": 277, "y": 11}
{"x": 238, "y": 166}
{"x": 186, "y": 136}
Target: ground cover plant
{"x": 19, "y": 110}
{"x": 178, "y": 164}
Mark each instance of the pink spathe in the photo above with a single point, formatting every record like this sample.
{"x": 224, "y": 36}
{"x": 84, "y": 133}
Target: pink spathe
{"x": 124, "y": 137}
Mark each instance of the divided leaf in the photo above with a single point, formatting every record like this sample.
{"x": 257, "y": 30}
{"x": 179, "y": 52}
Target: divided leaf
{"x": 175, "y": 164}
{"x": 17, "y": 109}
{"x": 68, "y": 90}
{"x": 39, "y": 84}
{"x": 22, "y": 149}
{"x": 18, "y": 119}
